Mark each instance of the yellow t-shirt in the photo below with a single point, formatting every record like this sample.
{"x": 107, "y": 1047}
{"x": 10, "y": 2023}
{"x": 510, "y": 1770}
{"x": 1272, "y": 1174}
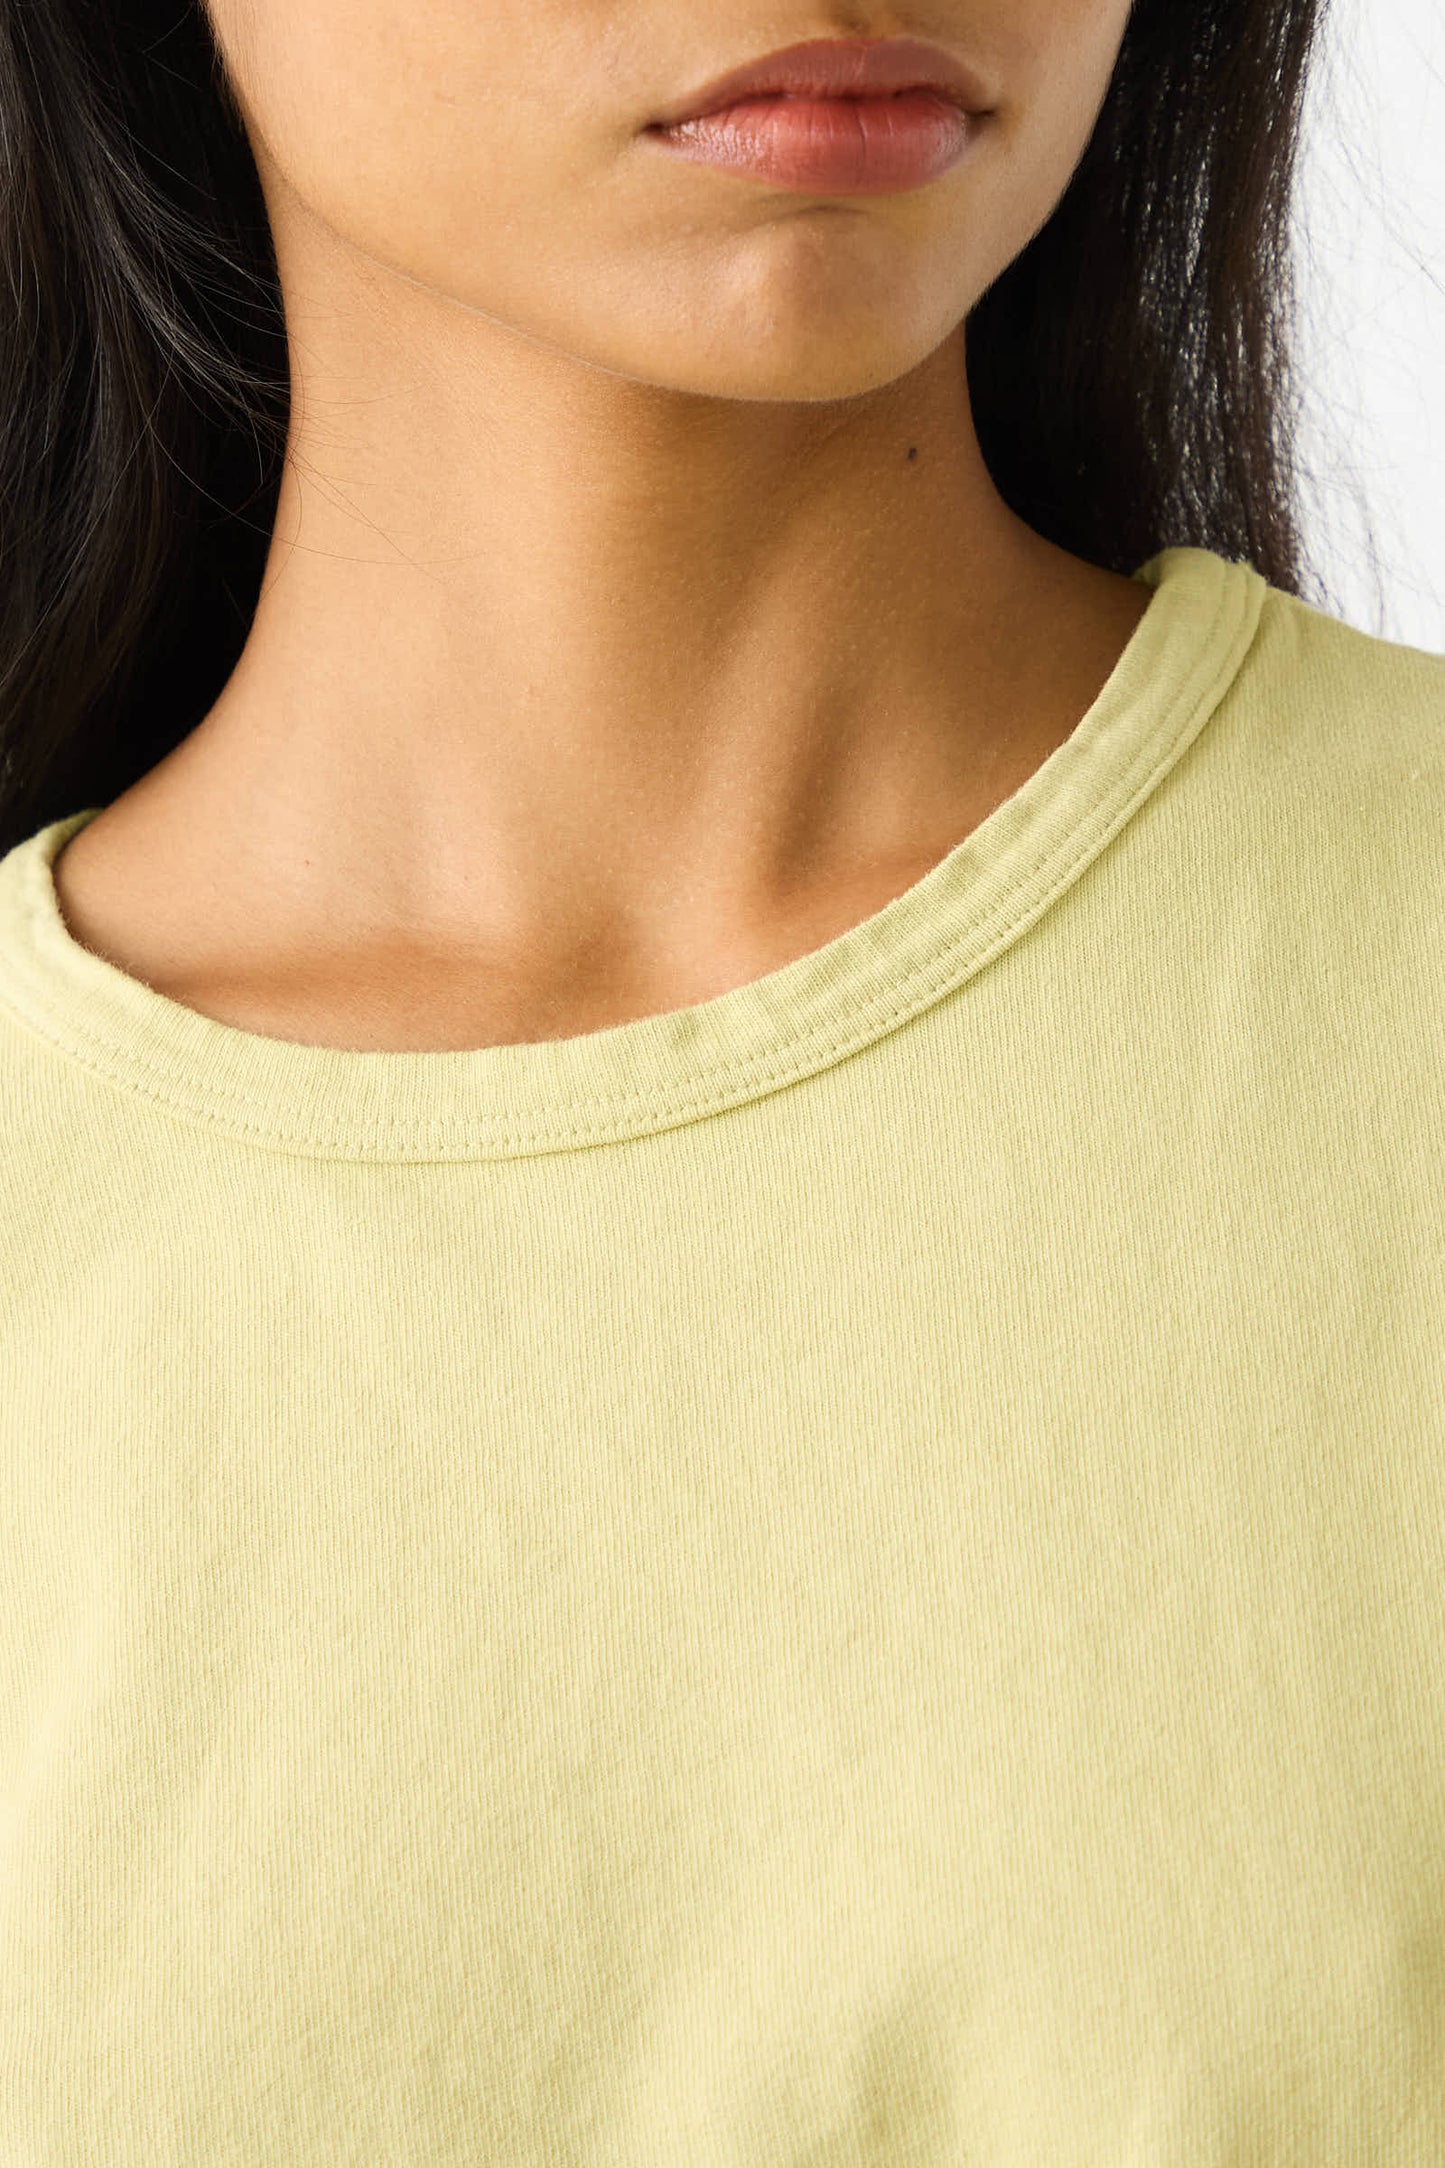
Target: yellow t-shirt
{"x": 852, "y": 1575}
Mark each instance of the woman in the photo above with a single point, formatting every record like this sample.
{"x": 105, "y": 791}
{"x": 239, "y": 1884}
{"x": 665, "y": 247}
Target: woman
{"x": 720, "y": 1063}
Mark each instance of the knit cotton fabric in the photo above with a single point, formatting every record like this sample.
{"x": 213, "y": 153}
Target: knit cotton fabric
{"x": 851, "y": 1576}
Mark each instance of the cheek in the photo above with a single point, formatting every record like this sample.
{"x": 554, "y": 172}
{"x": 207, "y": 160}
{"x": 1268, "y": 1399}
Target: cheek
{"x": 400, "y": 129}
{"x": 1058, "y": 77}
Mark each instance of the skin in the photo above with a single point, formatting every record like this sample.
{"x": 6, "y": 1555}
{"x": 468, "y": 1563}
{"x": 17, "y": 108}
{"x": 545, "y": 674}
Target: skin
{"x": 639, "y": 613}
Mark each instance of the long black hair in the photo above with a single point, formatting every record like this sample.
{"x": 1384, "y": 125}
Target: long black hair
{"x": 1130, "y": 372}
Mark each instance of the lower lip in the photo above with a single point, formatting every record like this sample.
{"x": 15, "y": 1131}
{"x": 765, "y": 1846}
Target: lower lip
{"x": 831, "y": 146}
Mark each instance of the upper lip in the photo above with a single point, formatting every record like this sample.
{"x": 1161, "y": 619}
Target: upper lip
{"x": 838, "y": 68}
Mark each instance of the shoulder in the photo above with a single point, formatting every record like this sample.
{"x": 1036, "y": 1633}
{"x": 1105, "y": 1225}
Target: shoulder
{"x": 1336, "y": 785}
{"x": 1371, "y": 709}
{"x": 1329, "y": 758}
{"x": 1312, "y": 813}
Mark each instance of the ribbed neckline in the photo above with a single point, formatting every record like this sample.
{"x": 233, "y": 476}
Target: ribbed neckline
{"x": 656, "y": 1072}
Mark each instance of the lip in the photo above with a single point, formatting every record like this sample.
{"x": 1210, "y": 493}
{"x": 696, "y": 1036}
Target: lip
{"x": 875, "y": 146}
{"x": 830, "y": 68}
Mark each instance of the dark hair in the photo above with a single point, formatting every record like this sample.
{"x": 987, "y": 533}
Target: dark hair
{"x": 1130, "y": 372}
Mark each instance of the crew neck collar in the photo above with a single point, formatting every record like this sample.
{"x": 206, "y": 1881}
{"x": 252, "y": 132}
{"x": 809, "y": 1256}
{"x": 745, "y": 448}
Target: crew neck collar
{"x": 655, "y": 1072}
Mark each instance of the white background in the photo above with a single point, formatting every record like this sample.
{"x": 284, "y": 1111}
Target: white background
{"x": 1370, "y": 272}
